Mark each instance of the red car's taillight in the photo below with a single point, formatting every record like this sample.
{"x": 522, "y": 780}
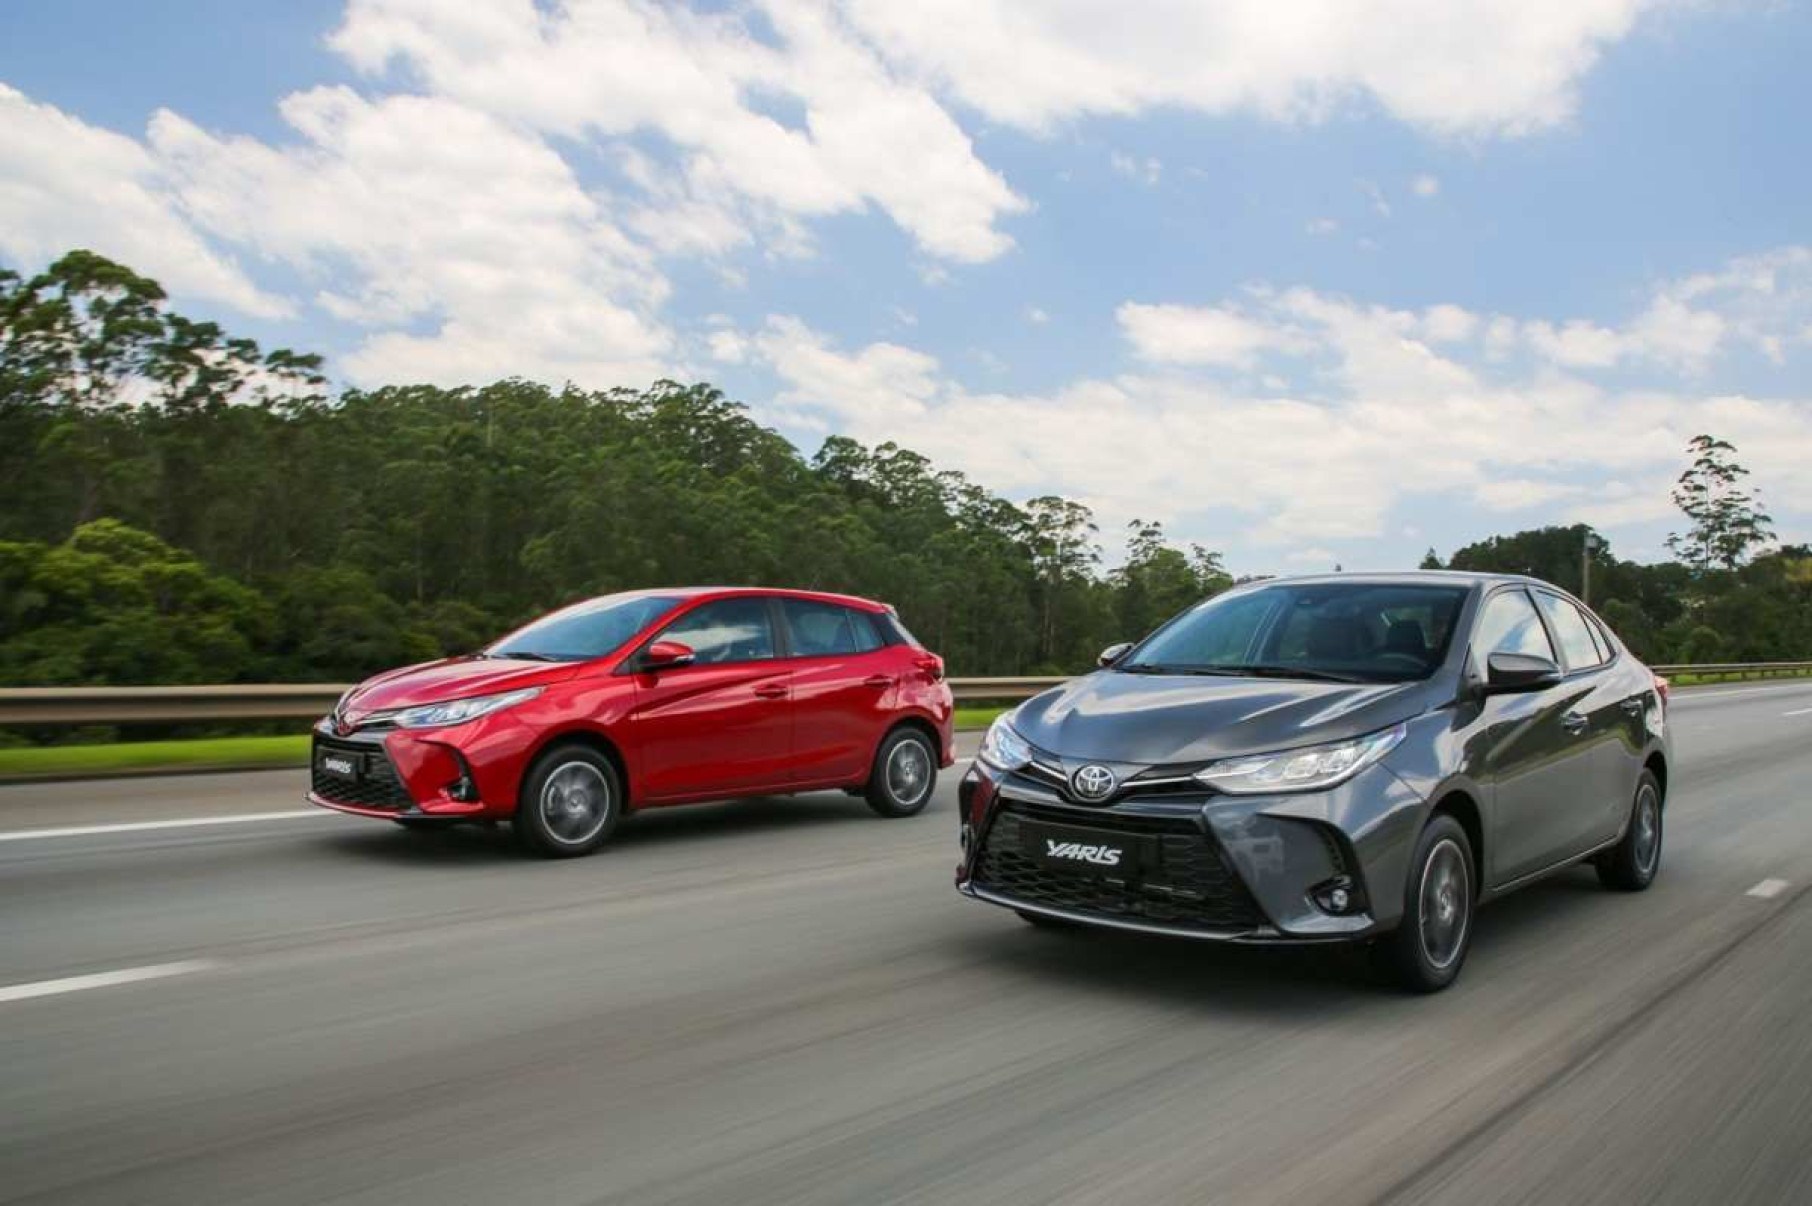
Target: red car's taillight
{"x": 1662, "y": 687}
{"x": 930, "y": 665}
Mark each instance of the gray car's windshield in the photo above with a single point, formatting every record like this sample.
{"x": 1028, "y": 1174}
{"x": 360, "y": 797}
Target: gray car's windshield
{"x": 584, "y": 630}
{"x": 1331, "y": 632}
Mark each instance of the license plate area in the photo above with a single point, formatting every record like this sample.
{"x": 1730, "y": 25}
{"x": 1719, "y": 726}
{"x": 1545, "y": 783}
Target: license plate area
{"x": 340, "y": 764}
{"x": 1081, "y": 850}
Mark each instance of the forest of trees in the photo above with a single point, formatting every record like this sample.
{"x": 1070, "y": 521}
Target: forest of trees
{"x": 179, "y": 506}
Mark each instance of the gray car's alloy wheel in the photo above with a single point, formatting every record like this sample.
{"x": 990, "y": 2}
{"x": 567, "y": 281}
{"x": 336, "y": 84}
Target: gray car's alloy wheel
{"x": 1631, "y": 865}
{"x": 904, "y": 774}
{"x": 570, "y": 804}
{"x": 1429, "y": 946}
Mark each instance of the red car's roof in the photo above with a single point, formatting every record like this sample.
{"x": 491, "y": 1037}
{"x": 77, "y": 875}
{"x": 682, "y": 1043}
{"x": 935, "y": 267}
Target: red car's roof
{"x": 817, "y": 596}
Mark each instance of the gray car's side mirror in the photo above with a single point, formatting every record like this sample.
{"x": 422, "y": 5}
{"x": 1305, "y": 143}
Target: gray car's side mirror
{"x": 1508, "y": 672}
{"x": 1114, "y": 653}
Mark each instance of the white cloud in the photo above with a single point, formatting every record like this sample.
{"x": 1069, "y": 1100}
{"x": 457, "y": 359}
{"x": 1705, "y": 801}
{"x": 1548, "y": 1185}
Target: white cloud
{"x": 1147, "y": 171}
{"x": 1497, "y": 68}
{"x": 1521, "y": 493}
{"x": 1449, "y": 324}
{"x": 883, "y": 385}
{"x": 64, "y": 184}
{"x": 1578, "y": 344}
{"x": 1425, "y": 186}
{"x": 613, "y": 68}
{"x": 1322, "y": 226}
{"x": 1374, "y": 194}
{"x": 421, "y": 211}
{"x": 1199, "y": 334}
{"x": 728, "y": 347}
{"x": 1370, "y": 417}
{"x": 1316, "y": 556}
{"x": 1036, "y": 316}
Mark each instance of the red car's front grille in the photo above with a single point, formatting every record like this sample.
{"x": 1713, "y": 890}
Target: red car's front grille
{"x": 377, "y": 784}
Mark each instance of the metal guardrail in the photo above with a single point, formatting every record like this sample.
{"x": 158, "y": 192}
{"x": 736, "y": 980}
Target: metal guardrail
{"x": 305, "y": 701}
{"x": 165, "y": 705}
{"x": 1737, "y": 670}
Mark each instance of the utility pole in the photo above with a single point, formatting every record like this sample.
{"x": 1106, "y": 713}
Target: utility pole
{"x": 1592, "y": 544}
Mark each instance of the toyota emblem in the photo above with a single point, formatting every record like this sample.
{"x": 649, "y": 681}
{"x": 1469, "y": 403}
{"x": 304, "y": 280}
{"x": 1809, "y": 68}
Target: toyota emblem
{"x": 1093, "y": 783}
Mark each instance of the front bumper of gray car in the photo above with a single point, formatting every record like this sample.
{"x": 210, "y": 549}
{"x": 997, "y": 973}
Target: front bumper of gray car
{"x": 1168, "y": 856}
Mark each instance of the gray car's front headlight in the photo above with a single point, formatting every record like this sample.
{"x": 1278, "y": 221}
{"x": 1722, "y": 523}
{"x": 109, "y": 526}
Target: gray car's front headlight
{"x": 1309, "y": 768}
{"x": 458, "y": 711}
{"x": 1004, "y": 749}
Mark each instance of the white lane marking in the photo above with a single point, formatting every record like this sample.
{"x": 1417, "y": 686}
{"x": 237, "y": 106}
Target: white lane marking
{"x": 1798, "y": 712}
{"x": 244, "y": 818}
{"x": 1768, "y": 889}
{"x": 1686, "y": 694}
{"x": 125, "y": 975}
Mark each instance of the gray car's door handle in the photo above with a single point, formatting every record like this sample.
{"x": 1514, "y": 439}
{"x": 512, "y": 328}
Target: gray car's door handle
{"x": 1573, "y": 722}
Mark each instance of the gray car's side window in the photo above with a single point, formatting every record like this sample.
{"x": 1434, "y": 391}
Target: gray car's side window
{"x": 1575, "y": 635}
{"x": 1509, "y": 624}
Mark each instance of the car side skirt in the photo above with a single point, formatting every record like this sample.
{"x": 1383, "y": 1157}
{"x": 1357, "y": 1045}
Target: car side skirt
{"x": 1554, "y": 868}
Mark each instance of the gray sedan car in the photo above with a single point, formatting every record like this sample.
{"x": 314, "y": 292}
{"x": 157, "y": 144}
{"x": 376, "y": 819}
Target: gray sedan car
{"x": 1349, "y": 758}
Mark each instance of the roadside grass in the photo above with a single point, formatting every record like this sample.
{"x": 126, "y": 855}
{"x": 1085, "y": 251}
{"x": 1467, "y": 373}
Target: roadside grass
{"x": 977, "y": 716}
{"x": 206, "y": 753}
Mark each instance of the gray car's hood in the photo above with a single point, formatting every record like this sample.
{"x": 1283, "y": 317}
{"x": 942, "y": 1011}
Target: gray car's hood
{"x": 1110, "y": 716}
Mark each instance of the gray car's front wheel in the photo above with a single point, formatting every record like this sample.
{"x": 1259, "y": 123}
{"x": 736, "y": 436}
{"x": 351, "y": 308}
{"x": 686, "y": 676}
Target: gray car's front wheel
{"x": 1631, "y": 865}
{"x": 1430, "y": 943}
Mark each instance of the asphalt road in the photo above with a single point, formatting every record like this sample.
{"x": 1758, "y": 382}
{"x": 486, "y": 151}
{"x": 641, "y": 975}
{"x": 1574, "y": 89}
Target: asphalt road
{"x": 785, "y": 1002}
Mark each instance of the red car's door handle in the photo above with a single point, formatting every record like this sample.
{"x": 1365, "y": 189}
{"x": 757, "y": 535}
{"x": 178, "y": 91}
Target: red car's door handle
{"x": 878, "y": 681}
{"x": 770, "y": 691}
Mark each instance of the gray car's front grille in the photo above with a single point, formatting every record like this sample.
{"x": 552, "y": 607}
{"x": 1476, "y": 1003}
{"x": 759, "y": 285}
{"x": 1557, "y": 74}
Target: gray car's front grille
{"x": 1192, "y": 887}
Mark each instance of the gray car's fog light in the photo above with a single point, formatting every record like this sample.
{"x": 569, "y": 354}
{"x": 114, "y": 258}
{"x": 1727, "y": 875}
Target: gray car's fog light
{"x": 1338, "y": 896}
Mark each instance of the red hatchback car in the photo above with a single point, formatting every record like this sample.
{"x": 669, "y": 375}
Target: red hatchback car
{"x": 643, "y": 699}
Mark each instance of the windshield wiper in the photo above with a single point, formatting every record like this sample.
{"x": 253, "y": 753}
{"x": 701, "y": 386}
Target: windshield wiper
{"x": 1303, "y": 672}
{"x": 527, "y": 656}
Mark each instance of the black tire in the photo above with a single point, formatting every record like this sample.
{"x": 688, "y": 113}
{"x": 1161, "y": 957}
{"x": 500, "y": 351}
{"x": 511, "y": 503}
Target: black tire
{"x": 1040, "y": 921}
{"x": 1429, "y": 946}
{"x": 904, "y": 774}
{"x": 1632, "y": 864}
{"x": 572, "y": 799}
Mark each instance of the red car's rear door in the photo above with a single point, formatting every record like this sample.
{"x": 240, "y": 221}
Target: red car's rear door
{"x": 722, "y": 725}
{"x": 845, "y": 690}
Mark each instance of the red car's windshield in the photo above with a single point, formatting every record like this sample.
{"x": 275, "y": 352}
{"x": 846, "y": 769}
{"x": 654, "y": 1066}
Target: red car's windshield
{"x": 584, "y": 630}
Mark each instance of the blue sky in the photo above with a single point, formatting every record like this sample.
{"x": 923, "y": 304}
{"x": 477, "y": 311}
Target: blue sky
{"x": 1308, "y": 282}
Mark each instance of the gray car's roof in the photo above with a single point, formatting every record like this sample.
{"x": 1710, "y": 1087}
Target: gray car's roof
{"x": 1408, "y": 578}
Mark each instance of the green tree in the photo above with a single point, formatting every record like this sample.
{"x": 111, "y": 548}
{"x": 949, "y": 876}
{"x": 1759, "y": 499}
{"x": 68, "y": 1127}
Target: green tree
{"x": 1157, "y": 581}
{"x": 115, "y": 605}
{"x": 1727, "y": 523}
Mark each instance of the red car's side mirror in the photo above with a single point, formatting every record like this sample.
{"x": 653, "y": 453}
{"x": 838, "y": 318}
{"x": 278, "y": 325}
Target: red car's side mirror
{"x": 666, "y": 655}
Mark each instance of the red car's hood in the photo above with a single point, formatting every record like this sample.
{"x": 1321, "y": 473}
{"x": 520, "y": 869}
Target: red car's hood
{"x": 453, "y": 678}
